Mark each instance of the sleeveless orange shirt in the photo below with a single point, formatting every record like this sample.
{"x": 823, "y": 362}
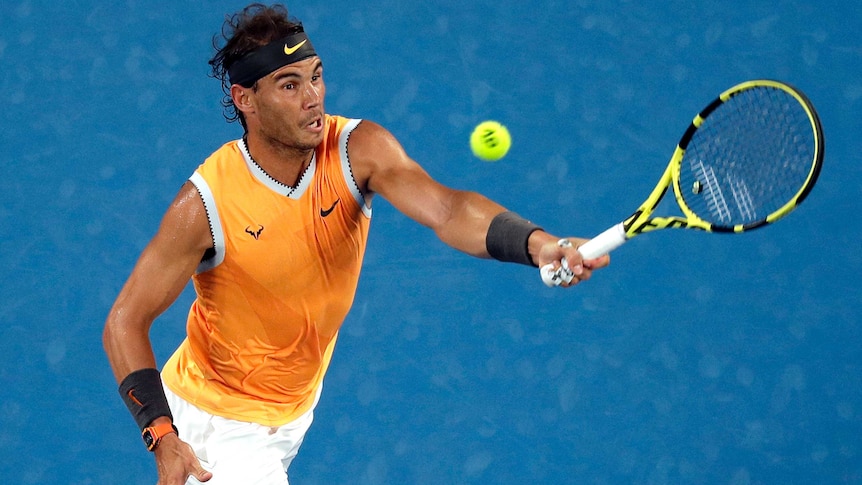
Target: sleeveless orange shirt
{"x": 273, "y": 295}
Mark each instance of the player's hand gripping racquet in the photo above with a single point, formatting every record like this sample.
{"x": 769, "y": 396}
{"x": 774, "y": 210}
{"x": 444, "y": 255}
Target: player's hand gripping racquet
{"x": 748, "y": 159}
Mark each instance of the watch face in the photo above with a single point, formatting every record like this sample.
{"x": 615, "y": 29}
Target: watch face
{"x": 153, "y": 435}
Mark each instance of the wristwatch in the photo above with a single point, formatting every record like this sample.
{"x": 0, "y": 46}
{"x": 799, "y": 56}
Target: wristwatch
{"x": 153, "y": 435}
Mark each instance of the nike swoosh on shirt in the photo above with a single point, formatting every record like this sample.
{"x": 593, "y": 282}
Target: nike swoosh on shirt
{"x": 326, "y": 212}
{"x": 291, "y": 50}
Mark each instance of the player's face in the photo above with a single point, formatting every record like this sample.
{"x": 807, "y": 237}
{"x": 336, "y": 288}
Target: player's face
{"x": 289, "y": 104}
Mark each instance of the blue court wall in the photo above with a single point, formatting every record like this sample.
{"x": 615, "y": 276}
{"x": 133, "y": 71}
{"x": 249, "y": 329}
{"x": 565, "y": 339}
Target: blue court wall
{"x": 692, "y": 359}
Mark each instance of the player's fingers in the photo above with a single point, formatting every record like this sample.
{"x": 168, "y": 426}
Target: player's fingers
{"x": 200, "y": 473}
{"x": 574, "y": 264}
{"x": 572, "y": 282}
{"x": 579, "y": 278}
{"x": 550, "y": 275}
{"x": 599, "y": 262}
{"x": 572, "y": 261}
{"x": 585, "y": 275}
{"x": 203, "y": 476}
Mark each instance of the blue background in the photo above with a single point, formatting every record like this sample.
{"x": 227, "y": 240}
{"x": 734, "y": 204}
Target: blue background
{"x": 692, "y": 359}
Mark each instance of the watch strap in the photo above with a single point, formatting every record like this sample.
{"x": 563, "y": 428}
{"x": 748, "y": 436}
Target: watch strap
{"x": 153, "y": 435}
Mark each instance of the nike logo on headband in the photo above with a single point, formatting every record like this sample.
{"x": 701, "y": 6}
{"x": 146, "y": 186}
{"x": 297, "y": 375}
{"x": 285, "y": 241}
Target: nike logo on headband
{"x": 291, "y": 50}
{"x": 265, "y": 59}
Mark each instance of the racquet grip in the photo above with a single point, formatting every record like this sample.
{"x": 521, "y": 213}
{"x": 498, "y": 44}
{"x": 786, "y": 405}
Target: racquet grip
{"x": 604, "y": 243}
{"x": 600, "y": 245}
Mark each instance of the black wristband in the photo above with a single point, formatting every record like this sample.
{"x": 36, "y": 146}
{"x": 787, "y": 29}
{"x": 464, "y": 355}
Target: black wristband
{"x": 144, "y": 395}
{"x": 507, "y": 238}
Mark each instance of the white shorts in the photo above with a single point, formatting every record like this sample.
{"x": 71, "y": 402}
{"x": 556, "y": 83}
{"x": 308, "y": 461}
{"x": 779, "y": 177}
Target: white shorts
{"x": 237, "y": 452}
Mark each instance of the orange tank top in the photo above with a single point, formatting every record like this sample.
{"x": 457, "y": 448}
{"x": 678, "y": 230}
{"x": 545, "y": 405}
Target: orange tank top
{"x": 275, "y": 291}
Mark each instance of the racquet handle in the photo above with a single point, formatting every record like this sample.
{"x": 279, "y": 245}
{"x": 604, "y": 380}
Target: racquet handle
{"x": 604, "y": 243}
{"x": 600, "y": 245}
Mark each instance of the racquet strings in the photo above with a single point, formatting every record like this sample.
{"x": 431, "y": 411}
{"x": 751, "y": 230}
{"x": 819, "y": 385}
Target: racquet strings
{"x": 749, "y": 158}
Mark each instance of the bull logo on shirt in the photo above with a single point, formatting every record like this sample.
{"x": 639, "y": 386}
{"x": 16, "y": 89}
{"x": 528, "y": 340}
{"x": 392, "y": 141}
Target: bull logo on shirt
{"x": 254, "y": 233}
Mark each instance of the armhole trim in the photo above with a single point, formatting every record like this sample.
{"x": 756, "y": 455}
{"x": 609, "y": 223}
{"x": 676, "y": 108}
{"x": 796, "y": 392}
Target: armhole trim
{"x": 343, "y": 138}
{"x": 214, "y": 258}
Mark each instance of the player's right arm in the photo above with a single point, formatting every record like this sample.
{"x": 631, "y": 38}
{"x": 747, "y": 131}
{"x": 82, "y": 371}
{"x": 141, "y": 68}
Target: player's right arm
{"x": 159, "y": 276}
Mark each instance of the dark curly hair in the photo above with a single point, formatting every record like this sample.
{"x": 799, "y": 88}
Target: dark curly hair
{"x": 253, "y": 26}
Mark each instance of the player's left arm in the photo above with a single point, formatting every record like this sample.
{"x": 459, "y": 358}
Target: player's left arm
{"x": 460, "y": 218}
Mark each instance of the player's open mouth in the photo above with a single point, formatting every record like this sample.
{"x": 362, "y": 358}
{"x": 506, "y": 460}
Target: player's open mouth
{"x": 315, "y": 125}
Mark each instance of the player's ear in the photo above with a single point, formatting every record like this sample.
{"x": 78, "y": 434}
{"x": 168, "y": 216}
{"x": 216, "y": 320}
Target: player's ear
{"x": 242, "y": 98}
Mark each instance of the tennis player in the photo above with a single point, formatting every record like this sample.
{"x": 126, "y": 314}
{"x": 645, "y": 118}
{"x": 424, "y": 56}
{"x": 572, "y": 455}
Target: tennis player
{"x": 272, "y": 229}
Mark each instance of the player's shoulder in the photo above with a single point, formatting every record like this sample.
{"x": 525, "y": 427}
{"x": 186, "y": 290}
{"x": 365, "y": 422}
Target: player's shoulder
{"x": 188, "y": 201}
{"x": 337, "y": 123}
{"x": 370, "y": 138}
{"x": 373, "y": 149}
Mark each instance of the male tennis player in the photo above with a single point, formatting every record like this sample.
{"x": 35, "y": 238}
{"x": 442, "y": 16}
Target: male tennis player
{"x": 272, "y": 229}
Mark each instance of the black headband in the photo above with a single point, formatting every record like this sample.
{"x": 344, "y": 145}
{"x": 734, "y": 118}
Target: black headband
{"x": 266, "y": 59}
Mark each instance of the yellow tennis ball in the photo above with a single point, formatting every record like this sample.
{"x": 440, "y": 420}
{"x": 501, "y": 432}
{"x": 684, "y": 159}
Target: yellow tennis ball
{"x": 490, "y": 141}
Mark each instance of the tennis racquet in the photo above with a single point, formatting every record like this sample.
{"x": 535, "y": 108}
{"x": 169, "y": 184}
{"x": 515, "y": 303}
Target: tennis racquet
{"x": 747, "y": 160}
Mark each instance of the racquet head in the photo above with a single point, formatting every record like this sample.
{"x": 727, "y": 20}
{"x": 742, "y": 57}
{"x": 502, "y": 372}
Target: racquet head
{"x": 749, "y": 158}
